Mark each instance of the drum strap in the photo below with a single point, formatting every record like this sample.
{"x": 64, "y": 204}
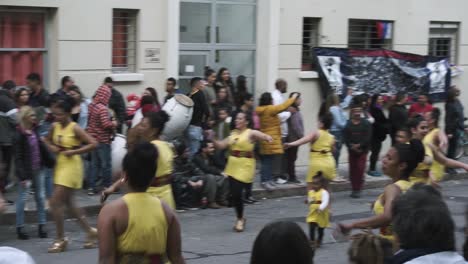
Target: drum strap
{"x": 161, "y": 180}
{"x": 242, "y": 154}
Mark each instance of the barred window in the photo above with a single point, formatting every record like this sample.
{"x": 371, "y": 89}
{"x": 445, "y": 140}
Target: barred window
{"x": 370, "y": 34}
{"x": 124, "y": 37}
{"x": 310, "y": 39}
{"x": 443, "y": 40}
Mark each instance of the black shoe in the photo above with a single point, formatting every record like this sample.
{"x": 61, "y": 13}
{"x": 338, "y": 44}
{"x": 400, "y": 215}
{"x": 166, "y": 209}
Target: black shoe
{"x": 247, "y": 201}
{"x": 294, "y": 181}
{"x": 252, "y": 200}
{"x": 9, "y": 202}
{"x": 41, "y": 232}
{"x": 356, "y": 194}
{"x": 21, "y": 235}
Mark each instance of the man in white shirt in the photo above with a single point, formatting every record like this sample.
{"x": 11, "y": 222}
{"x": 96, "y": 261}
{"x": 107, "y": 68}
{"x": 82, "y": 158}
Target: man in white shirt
{"x": 280, "y": 162}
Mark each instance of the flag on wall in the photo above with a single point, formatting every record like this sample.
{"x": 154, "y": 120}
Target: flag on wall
{"x": 381, "y": 71}
{"x": 384, "y": 30}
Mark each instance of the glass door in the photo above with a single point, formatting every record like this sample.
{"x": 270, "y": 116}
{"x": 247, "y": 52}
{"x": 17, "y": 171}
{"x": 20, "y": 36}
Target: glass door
{"x": 191, "y": 64}
{"x": 225, "y": 30}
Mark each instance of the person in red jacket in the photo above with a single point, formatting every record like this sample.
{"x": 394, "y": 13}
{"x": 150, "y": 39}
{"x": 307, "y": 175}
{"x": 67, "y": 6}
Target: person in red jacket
{"x": 421, "y": 107}
{"x": 101, "y": 126}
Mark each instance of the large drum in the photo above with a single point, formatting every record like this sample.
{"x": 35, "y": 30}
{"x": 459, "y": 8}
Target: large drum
{"x": 119, "y": 150}
{"x": 180, "y": 109}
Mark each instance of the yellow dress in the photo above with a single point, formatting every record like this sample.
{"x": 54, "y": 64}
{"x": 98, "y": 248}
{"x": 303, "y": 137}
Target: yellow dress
{"x": 321, "y": 218}
{"x": 241, "y": 168}
{"x": 68, "y": 171}
{"x": 146, "y": 232}
{"x": 387, "y": 231}
{"x": 437, "y": 169}
{"x": 321, "y": 157}
{"x": 421, "y": 173}
{"x": 165, "y": 163}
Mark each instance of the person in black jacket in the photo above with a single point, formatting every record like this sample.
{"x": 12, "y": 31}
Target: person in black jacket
{"x": 398, "y": 115}
{"x": 216, "y": 180}
{"x": 8, "y": 121}
{"x": 201, "y": 113}
{"x": 117, "y": 104}
{"x": 31, "y": 156}
{"x": 379, "y": 132}
{"x": 454, "y": 120}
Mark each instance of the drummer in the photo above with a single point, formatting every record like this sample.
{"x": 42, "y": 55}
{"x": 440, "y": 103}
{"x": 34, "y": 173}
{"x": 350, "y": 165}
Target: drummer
{"x": 153, "y": 125}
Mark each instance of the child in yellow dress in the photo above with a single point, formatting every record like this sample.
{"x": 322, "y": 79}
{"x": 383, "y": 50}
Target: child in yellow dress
{"x": 318, "y": 199}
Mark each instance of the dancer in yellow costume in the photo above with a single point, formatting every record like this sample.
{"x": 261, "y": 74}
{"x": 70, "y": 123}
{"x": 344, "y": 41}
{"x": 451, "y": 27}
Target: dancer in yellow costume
{"x": 437, "y": 140}
{"x": 153, "y": 124}
{"x": 139, "y": 227}
{"x": 322, "y": 144}
{"x": 318, "y": 199}
{"x": 240, "y": 167}
{"x": 399, "y": 162}
{"x": 68, "y": 141}
{"x": 419, "y": 129}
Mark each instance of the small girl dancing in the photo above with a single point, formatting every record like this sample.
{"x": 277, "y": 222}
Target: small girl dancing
{"x": 318, "y": 199}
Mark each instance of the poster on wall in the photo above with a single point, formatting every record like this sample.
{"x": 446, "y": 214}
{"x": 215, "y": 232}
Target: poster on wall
{"x": 381, "y": 71}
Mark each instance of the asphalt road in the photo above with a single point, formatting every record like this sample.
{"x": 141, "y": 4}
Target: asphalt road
{"x": 208, "y": 238}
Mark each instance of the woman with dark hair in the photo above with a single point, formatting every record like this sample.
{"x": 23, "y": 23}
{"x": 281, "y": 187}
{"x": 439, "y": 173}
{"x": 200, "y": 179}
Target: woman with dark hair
{"x": 222, "y": 101}
{"x": 240, "y": 166}
{"x": 282, "y": 242}
{"x": 146, "y": 105}
{"x": 151, "y": 126}
{"x": 242, "y": 90}
{"x": 321, "y": 147}
{"x": 247, "y": 107}
{"x": 139, "y": 228}
{"x": 66, "y": 83}
{"x": 270, "y": 125}
{"x": 153, "y": 93}
{"x": 399, "y": 163}
{"x": 295, "y": 132}
{"x": 80, "y": 108}
{"x": 68, "y": 141}
{"x": 223, "y": 79}
{"x": 454, "y": 120}
{"x": 209, "y": 90}
{"x": 21, "y": 97}
{"x": 379, "y": 132}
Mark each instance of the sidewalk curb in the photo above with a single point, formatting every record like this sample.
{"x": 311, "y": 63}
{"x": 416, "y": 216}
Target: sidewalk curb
{"x": 31, "y": 216}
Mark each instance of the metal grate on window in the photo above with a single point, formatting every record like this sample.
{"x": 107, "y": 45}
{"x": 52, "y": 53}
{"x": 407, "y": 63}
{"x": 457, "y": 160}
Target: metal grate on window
{"x": 443, "y": 39}
{"x": 124, "y": 40}
{"x": 370, "y": 34}
{"x": 310, "y": 39}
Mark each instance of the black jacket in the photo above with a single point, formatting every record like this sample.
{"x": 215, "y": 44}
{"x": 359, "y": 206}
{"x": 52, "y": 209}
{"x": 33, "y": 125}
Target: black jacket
{"x": 117, "y": 104}
{"x": 398, "y": 117}
{"x": 8, "y": 121}
{"x": 23, "y": 158}
{"x": 454, "y": 117}
{"x": 358, "y": 134}
{"x": 380, "y": 125}
{"x": 212, "y": 166}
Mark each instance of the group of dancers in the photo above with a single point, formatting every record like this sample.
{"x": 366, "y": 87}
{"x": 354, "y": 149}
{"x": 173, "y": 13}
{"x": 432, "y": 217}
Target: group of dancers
{"x": 139, "y": 227}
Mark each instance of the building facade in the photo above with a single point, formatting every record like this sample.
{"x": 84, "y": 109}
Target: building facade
{"x": 142, "y": 42}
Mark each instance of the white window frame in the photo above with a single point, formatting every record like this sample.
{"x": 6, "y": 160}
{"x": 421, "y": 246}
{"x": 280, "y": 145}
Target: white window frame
{"x": 444, "y": 30}
{"x": 132, "y": 53}
{"x": 369, "y": 24}
{"x": 310, "y": 39}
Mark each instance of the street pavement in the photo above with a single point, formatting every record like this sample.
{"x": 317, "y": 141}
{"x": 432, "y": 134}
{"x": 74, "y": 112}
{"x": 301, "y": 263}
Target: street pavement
{"x": 208, "y": 238}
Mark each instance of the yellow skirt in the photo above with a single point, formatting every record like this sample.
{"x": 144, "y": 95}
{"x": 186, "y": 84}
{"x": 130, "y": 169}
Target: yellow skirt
{"x": 68, "y": 171}
{"x": 321, "y": 218}
{"x": 321, "y": 162}
{"x": 164, "y": 193}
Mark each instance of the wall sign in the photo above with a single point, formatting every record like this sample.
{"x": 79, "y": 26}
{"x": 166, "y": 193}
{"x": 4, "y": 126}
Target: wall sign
{"x": 153, "y": 55}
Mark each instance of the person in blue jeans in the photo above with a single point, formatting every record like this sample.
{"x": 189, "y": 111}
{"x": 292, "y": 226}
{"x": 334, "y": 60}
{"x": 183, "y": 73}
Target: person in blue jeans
{"x": 30, "y": 157}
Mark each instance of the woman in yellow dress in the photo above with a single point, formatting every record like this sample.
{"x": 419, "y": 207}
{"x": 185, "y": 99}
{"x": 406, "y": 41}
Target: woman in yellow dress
{"x": 399, "y": 163}
{"x": 152, "y": 125}
{"x": 437, "y": 140}
{"x": 139, "y": 227}
{"x": 240, "y": 166}
{"x": 419, "y": 129}
{"x": 68, "y": 141}
{"x": 322, "y": 144}
{"x": 318, "y": 199}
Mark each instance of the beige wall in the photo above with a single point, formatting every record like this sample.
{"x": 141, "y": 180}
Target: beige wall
{"x": 80, "y": 40}
{"x": 411, "y": 33}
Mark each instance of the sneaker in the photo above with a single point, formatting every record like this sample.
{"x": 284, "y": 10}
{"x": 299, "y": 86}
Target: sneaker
{"x": 295, "y": 181}
{"x": 251, "y": 200}
{"x": 339, "y": 179}
{"x": 214, "y": 206}
{"x": 281, "y": 181}
{"x": 374, "y": 173}
{"x": 91, "y": 192}
{"x": 355, "y": 194}
{"x": 267, "y": 186}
